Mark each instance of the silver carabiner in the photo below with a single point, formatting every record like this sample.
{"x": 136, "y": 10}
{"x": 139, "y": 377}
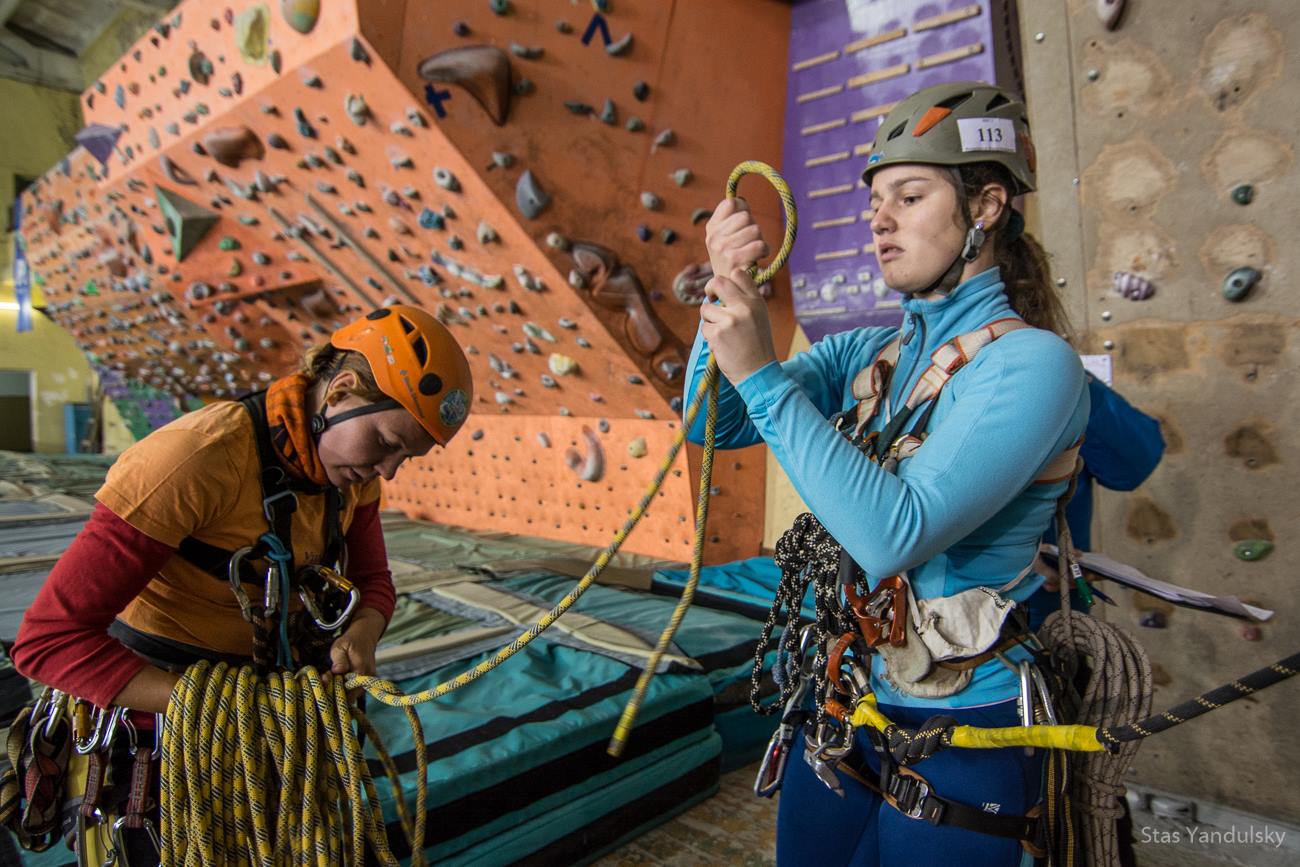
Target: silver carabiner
{"x": 58, "y": 705}
{"x": 1044, "y": 695}
{"x": 309, "y": 602}
{"x": 86, "y": 747}
{"x": 119, "y": 845}
{"x": 235, "y": 570}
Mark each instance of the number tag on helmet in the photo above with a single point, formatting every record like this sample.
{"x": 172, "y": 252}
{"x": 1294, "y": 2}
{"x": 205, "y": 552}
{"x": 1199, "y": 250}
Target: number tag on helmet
{"x": 987, "y": 134}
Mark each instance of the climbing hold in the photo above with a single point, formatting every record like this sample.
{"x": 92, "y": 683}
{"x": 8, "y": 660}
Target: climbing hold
{"x": 637, "y": 448}
{"x": 228, "y": 243}
{"x": 1243, "y": 194}
{"x": 700, "y": 214}
{"x": 608, "y": 114}
{"x": 400, "y": 160}
{"x": 563, "y": 27}
{"x": 359, "y": 52}
{"x": 119, "y": 96}
{"x": 1252, "y": 549}
{"x": 1132, "y": 286}
{"x": 398, "y": 226}
{"x": 1238, "y": 283}
{"x": 502, "y": 398}
{"x": 1109, "y": 12}
{"x": 233, "y": 144}
{"x": 591, "y": 466}
{"x": 445, "y": 179}
{"x": 688, "y": 285}
{"x": 667, "y": 236}
{"x": 276, "y": 61}
{"x": 556, "y": 241}
{"x": 537, "y": 332}
{"x": 414, "y": 118}
{"x": 527, "y": 52}
{"x": 326, "y": 188}
{"x": 333, "y": 156}
{"x": 567, "y": 323}
{"x": 187, "y": 222}
{"x": 499, "y": 7}
{"x": 277, "y": 141}
{"x": 301, "y": 15}
{"x": 476, "y": 435}
{"x": 260, "y": 258}
{"x": 235, "y": 268}
{"x": 664, "y": 139}
{"x": 543, "y": 440}
{"x": 305, "y": 129}
{"x": 460, "y": 28}
{"x": 502, "y": 160}
{"x": 175, "y": 173}
{"x": 448, "y": 213}
{"x": 634, "y": 124}
{"x": 354, "y": 104}
{"x": 100, "y": 140}
{"x": 455, "y": 243}
{"x": 682, "y": 177}
{"x": 527, "y": 281}
{"x": 430, "y": 219}
{"x": 641, "y": 91}
{"x": 1152, "y": 620}
{"x": 346, "y": 146}
{"x": 620, "y": 47}
{"x": 251, "y": 31}
{"x": 482, "y": 70}
{"x": 197, "y": 292}
{"x": 485, "y": 233}
{"x": 643, "y": 232}
{"x": 578, "y": 107}
{"x": 561, "y": 365}
{"x": 310, "y": 79}
{"x": 524, "y": 86}
{"x": 650, "y": 201}
{"x": 530, "y": 198}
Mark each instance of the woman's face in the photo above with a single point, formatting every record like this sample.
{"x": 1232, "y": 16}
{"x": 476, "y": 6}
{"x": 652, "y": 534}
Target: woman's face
{"x": 361, "y": 448}
{"x": 915, "y": 225}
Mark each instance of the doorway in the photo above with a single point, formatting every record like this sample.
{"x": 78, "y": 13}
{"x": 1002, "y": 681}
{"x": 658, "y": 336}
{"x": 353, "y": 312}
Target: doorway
{"x": 16, "y": 410}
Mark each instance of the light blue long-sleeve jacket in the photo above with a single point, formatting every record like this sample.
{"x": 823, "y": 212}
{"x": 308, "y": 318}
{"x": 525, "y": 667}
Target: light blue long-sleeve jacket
{"x": 964, "y": 511}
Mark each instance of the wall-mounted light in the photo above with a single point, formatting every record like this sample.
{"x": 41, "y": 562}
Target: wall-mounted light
{"x": 9, "y": 305}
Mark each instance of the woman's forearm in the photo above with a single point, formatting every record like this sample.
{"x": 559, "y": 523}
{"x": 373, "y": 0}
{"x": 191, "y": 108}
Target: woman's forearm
{"x": 148, "y": 691}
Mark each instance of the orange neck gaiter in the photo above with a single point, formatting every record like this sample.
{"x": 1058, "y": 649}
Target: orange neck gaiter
{"x": 289, "y": 421}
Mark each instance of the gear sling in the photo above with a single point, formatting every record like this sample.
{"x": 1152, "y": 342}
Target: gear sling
{"x": 885, "y": 620}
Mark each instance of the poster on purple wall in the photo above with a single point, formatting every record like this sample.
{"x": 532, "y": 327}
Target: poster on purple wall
{"x": 851, "y": 61}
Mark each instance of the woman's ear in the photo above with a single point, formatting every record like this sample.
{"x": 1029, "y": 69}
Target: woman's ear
{"x": 990, "y": 205}
{"x": 337, "y": 390}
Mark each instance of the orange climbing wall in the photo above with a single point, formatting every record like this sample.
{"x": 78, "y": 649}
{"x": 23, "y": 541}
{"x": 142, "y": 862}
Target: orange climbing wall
{"x": 1169, "y": 115}
{"x": 325, "y": 170}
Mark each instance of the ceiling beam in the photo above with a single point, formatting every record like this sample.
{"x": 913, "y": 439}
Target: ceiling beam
{"x": 22, "y": 61}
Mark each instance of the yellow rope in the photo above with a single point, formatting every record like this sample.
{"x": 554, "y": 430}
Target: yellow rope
{"x": 633, "y": 707}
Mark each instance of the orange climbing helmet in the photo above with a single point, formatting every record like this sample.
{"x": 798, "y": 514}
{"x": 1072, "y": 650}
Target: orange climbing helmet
{"x": 416, "y": 362}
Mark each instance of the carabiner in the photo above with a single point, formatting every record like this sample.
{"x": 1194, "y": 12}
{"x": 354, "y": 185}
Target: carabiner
{"x": 58, "y": 705}
{"x": 119, "y": 845}
{"x": 84, "y": 746}
{"x": 236, "y": 569}
{"x": 328, "y": 579}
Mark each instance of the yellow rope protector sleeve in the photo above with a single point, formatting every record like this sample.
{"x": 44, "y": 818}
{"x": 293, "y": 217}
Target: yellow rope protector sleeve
{"x": 628, "y": 718}
{"x": 1076, "y": 737}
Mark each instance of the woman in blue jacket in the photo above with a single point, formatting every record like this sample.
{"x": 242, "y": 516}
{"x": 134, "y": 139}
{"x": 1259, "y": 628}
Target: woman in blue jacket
{"x": 969, "y": 505}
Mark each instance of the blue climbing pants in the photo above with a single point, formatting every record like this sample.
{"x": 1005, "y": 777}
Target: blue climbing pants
{"x": 817, "y": 828}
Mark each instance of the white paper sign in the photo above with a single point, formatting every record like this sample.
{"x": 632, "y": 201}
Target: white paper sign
{"x": 1100, "y": 366}
{"x": 987, "y": 134}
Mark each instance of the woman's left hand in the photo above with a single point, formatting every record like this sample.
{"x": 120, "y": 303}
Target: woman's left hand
{"x": 354, "y": 651}
{"x": 738, "y": 330}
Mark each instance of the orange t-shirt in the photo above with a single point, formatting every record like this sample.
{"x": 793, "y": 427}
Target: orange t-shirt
{"x": 200, "y": 476}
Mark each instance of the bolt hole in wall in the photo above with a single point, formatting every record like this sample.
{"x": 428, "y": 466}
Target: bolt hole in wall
{"x": 16, "y": 387}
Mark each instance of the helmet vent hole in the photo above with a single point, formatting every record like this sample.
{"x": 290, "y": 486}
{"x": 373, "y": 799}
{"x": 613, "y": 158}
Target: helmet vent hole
{"x": 430, "y": 384}
{"x": 377, "y": 314}
{"x": 953, "y": 101}
{"x": 998, "y": 100}
{"x": 896, "y": 132}
{"x": 421, "y": 350}
{"x": 407, "y": 325}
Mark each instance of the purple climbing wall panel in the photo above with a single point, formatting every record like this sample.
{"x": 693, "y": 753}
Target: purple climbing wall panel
{"x": 850, "y": 62}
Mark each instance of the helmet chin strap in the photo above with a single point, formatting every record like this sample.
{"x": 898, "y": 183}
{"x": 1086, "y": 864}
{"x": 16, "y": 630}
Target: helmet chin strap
{"x": 970, "y": 251}
{"x": 321, "y": 422}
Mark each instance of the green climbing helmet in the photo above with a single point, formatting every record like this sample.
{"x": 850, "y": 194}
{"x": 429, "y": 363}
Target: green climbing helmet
{"x": 957, "y": 124}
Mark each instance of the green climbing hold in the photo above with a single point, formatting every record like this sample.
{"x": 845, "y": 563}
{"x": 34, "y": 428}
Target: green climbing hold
{"x": 90, "y": 288}
{"x": 228, "y": 243}
{"x": 1244, "y": 194}
{"x": 1252, "y": 549}
{"x": 300, "y": 14}
{"x": 187, "y": 222}
{"x": 1238, "y": 283}
{"x": 500, "y": 7}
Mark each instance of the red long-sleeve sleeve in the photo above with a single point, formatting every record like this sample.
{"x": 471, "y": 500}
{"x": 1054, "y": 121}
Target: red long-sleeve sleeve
{"x": 368, "y": 560}
{"x": 63, "y": 641}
